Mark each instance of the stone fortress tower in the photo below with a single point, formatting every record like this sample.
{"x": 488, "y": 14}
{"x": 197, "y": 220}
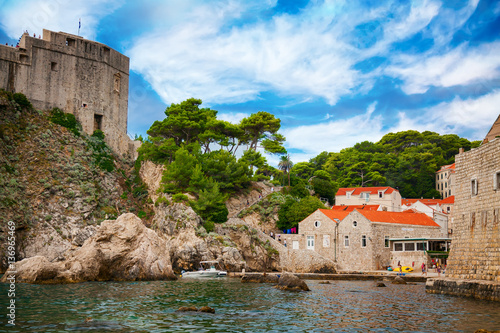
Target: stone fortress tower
{"x": 82, "y": 77}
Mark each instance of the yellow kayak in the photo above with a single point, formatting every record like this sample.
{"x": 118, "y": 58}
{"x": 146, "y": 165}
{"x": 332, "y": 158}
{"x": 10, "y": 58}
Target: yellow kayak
{"x": 405, "y": 269}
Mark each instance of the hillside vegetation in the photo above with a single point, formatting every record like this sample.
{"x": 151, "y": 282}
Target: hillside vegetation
{"x": 54, "y": 176}
{"x": 405, "y": 160}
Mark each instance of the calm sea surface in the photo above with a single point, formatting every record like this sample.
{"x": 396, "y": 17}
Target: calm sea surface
{"x": 342, "y": 306}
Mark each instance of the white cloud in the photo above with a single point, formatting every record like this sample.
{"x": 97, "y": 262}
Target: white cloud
{"x": 58, "y": 15}
{"x": 474, "y": 115}
{"x": 334, "y": 135}
{"x": 233, "y": 118}
{"x": 460, "y": 66}
{"x": 306, "y": 54}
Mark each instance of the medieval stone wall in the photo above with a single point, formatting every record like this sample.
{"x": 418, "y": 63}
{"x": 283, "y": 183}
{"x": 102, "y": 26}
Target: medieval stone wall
{"x": 82, "y": 77}
{"x": 475, "y": 249}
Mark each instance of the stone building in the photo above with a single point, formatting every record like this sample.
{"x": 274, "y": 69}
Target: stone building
{"x": 79, "y": 76}
{"x": 474, "y": 262}
{"x": 433, "y": 209}
{"x": 445, "y": 180}
{"x": 387, "y": 197}
{"x": 359, "y": 239}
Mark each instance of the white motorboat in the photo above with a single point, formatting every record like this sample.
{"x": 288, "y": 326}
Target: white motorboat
{"x": 210, "y": 269}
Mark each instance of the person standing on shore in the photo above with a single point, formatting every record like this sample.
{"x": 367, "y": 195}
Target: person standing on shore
{"x": 423, "y": 269}
{"x": 284, "y": 242}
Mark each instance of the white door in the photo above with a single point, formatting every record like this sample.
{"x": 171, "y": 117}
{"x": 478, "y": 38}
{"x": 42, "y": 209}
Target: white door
{"x": 310, "y": 242}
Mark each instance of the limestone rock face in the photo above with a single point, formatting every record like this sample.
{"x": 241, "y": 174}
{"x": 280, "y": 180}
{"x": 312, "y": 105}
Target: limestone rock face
{"x": 290, "y": 282}
{"x": 151, "y": 174}
{"x": 259, "y": 278}
{"x": 398, "y": 280}
{"x": 121, "y": 250}
{"x": 236, "y": 204}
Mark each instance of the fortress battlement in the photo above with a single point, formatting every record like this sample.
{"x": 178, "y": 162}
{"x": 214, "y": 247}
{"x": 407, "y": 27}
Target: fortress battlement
{"x": 79, "y": 76}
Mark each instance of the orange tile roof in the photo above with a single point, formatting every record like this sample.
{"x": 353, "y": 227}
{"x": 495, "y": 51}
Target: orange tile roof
{"x": 334, "y": 214}
{"x": 399, "y": 218}
{"x": 359, "y": 190}
{"x": 428, "y": 202}
{"x": 350, "y": 208}
{"x": 449, "y": 200}
{"x": 447, "y": 167}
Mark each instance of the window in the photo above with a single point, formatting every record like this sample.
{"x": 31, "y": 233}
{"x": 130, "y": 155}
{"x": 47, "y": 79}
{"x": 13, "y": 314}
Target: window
{"x": 348, "y": 195}
{"x": 53, "y": 66}
{"x": 70, "y": 42}
{"x": 326, "y": 240}
{"x": 386, "y": 241}
{"x": 420, "y": 246}
{"x": 380, "y": 194}
{"x": 409, "y": 246}
{"x": 117, "y": 80}
{"x": 317, "y": 224}
{"x": 496, "y": 181}
{"x": 448, "y": 209}
{"x": 473, "y": 184}
{"x": 346, "y": 241}
{"x": 310, "y": 242}
{"x": 363, "y": 241}
{"x": 354, "y": 224}
{"x": 295, "y": 245}
{"x": 398, "y": 246}
{"x": 446, "y": 185}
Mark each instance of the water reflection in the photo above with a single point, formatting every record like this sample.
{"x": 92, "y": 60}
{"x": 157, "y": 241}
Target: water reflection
{"x": 343, "y": 306}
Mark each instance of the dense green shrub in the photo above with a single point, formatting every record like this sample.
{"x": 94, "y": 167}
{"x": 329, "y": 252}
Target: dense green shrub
{"x": 22, "y": 100}
{"x": 179, "y": 197}
{"x": 68, "y": 120}
{"x": 162, "y": 200}
{"x": 102, "y": 155}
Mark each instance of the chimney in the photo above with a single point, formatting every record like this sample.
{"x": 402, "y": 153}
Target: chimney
{"x": 460, "y": 150}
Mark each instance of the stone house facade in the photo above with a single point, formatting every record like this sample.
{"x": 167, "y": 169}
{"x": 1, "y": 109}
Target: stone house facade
{"x": 475, "y": 252}
{"x": 79, "y": 76}
{"x": 445, "y": 180}
{"x": 388, "y": 198}
{"x": 359, "y": 239}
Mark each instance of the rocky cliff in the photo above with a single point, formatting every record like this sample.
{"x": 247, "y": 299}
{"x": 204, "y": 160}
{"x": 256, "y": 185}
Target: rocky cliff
{"x": 53, "y": 185}
{"x": 65, "y": 202}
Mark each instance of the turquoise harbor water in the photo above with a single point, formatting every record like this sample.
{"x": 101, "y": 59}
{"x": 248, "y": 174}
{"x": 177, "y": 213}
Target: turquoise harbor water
{"x": 343, "y": 306}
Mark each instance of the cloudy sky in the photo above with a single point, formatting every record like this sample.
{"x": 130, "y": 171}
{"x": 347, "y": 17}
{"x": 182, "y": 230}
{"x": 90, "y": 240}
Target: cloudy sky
{"x": 335, "y": 72}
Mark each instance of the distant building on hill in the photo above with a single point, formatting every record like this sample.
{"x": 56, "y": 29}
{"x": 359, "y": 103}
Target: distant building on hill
{"x": 445, "y": 181}
{"x": 79, "y": 76}
{"x": 386, "y": 197}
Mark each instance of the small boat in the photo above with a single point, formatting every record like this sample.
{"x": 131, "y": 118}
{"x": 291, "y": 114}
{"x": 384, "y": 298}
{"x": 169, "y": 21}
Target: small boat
{"x": 210, "y": 269}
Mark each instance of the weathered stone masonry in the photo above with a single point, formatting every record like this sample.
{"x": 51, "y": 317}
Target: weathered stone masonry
{"x": 475, "y": 252}
{"x": 79, "y": 76}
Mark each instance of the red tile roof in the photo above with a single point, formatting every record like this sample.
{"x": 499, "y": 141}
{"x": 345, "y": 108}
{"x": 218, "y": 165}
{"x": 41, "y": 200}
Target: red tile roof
{"x": 399, "y": 218}
{"x": 359, "y": 190}
{"x": 449, "y": 200}
{"x": 447, "y": 167}
{"x": 428, "y": 202}
{"x": 334, "y": 214}
{"x": 350, "y": 208}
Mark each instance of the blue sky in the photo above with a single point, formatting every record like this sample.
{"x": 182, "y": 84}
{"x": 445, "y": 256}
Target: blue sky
{"x": 334, "y": 72}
